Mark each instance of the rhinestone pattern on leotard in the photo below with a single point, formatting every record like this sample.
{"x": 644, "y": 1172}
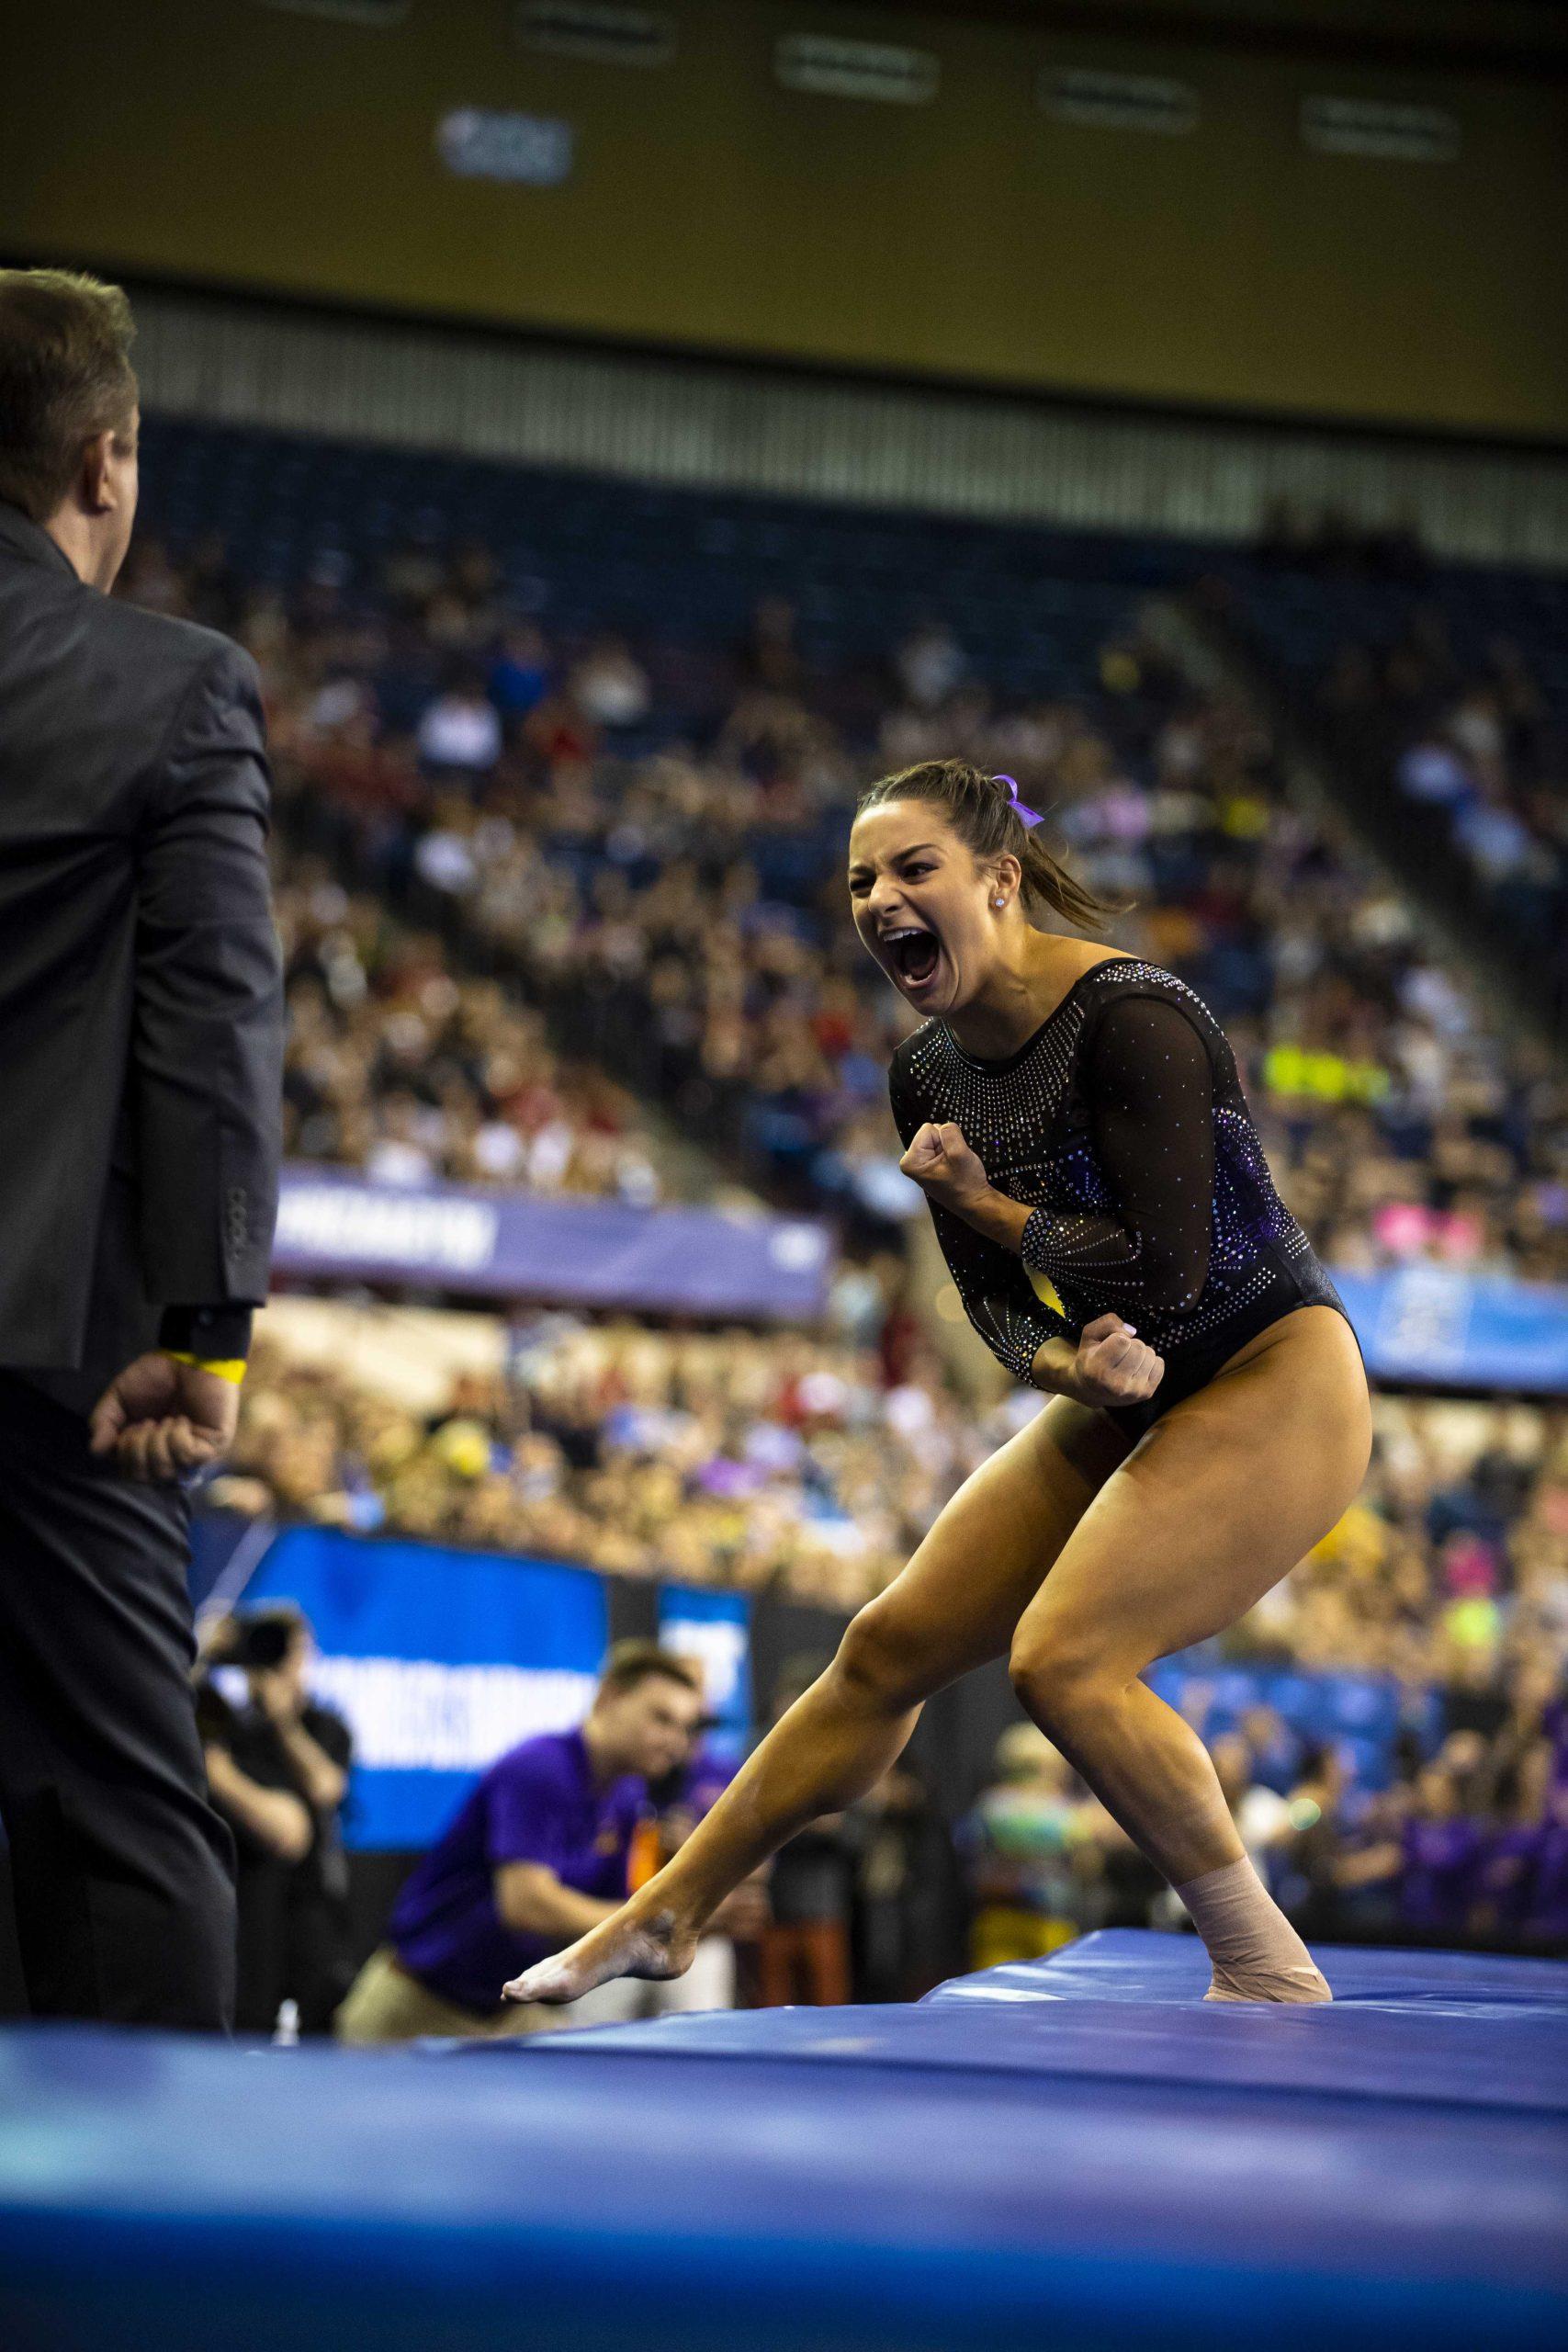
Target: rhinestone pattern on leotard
{"x": 1031, "y": 1120}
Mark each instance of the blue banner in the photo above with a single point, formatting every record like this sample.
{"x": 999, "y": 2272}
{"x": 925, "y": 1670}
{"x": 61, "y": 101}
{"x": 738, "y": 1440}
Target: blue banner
{"x": 440, "y": 1661}
{"x": 1428, "y": 1323}
{"x": 486, "y": 1243}
{"x": 713, "y": 1629}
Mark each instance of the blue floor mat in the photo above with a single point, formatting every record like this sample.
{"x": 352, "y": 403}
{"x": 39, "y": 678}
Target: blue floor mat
{"x": 965, "y": 2173}
{"x": 1441, "y": 2028}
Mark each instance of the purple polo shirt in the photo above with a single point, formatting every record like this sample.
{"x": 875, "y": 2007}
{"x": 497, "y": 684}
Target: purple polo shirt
{"x": 1546, "y": 1912}
{"x": 537, "y": 1804}
{"x": 1443, "y": 1864}
{"x": 1508, "y": 1867}
{"x": 702, "y": 1781}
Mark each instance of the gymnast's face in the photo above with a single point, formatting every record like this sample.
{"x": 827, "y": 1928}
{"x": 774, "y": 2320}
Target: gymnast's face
{"x": 924, "y": 909}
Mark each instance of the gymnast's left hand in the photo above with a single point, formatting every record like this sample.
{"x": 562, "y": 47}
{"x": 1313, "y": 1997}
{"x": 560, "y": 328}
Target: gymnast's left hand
{"x": 944, "y": 1167}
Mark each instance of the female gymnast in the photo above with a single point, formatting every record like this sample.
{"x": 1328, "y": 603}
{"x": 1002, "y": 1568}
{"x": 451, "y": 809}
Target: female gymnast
{"x": 1074, "y": 1117}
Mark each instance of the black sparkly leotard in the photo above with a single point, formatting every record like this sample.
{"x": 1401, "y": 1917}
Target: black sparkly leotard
{"x": 1123, "y": 1123}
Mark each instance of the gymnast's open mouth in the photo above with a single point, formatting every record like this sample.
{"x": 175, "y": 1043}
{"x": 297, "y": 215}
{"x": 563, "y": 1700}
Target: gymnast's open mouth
{"x": 912, "y": 952}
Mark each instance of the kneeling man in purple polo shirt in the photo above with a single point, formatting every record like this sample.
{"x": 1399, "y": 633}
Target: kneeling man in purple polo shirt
{"x": 536, "y": 1856}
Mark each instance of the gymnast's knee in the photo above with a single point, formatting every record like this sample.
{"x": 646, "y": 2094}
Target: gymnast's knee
{"x": 1064, "y": 1682}
{"x": 878, "y": 1668}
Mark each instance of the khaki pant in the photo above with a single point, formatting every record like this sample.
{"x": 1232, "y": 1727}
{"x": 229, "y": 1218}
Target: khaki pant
{"x": 385, "y": 2004}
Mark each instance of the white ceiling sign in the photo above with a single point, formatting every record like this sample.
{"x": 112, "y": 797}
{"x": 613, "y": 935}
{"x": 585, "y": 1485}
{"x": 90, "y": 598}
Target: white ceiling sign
{"x": 602, "y": 35}
{"x": 1104, "y": 101}
{"x": 1371, "y": 127}
{"x": 829, "y": 68}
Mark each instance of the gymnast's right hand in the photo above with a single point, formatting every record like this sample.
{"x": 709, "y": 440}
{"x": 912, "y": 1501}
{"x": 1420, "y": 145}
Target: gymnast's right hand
{"x": 1113, "y": 1366}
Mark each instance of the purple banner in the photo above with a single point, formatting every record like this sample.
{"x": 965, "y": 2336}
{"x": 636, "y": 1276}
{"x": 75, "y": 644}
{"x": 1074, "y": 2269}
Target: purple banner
{"x": 464, "y": 1238}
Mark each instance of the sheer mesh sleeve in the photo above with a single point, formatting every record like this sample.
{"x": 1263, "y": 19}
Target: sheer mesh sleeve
{"x": 998, "y": 1297}
{"x": 1151, "y": 1092}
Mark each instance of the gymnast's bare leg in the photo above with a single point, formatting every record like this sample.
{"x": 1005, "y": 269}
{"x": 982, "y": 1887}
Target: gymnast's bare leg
{"x": 955, "y": 1606}
{"x": 1083, "y": 1562}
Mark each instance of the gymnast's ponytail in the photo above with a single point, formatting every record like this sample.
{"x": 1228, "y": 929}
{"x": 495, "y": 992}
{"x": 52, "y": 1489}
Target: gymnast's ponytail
{"x": 991, "y": 821}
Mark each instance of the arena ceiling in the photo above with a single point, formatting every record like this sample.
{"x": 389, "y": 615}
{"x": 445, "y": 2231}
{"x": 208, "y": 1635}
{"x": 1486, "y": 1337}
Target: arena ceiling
{"x": 1491, "y": 35}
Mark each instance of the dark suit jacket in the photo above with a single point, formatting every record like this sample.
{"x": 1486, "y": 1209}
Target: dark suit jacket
{"x": 141, "y": 1002}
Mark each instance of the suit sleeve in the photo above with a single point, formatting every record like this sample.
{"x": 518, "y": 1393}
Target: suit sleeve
{"x": 998, "y": 1297}
{"x": 206, "y": 1044}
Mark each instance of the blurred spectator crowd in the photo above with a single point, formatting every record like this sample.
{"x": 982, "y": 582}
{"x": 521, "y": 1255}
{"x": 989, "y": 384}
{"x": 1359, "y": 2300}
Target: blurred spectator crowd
{"x": 734, "y": 1458}
{"x": 554, "y": 905}
{"x": 797, "y": 1464}
{"x": 401, "y": 1063}
{"x": 1474, "y": 752}
{"x": 1465, "y": 1842}
{"x": 815, "y": 1464}
{"x": 647, "y": 843}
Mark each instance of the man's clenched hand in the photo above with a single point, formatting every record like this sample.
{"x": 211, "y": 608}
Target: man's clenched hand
{"x": 161, "y": 1420}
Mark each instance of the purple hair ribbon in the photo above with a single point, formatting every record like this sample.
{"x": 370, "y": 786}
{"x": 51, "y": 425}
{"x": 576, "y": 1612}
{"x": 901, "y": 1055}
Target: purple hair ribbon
{"x": 1025, "y": 816}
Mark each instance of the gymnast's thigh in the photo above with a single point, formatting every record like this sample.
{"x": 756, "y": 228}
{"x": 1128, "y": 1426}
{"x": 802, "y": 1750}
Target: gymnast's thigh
{"x": 1215, "y": 1504}
{"x": 956, "y": 1604}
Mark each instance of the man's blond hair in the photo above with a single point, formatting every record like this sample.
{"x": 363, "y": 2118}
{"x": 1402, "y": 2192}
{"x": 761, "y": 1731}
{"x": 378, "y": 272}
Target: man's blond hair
{"x": 65, "y": 376}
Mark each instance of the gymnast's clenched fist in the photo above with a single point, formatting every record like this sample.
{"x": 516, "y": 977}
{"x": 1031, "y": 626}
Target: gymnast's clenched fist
{"x": 946, "y": 1169}
{"x": 1113, "y": 1366}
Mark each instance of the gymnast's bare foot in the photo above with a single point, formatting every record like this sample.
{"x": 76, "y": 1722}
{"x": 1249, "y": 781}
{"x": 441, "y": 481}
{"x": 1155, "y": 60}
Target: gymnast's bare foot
{"x": 625, "y": 1945}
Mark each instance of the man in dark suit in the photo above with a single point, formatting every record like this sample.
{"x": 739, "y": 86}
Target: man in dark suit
{"x": 140, "y": 1045}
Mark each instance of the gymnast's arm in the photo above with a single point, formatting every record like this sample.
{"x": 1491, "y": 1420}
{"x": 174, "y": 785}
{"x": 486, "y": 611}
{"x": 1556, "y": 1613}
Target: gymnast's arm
{"x": 1151, "y": 1092}
{"x": 979, "y": 1242}
{"x": 1151, "y": 1097}
{"x": 1021, "y": 1332}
